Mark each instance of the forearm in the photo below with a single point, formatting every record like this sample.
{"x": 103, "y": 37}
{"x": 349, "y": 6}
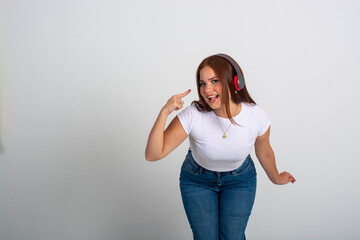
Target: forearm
{"x": 155, "y": 141}
{"x": 268, "y": 163}
{"x": 266, "y": 157}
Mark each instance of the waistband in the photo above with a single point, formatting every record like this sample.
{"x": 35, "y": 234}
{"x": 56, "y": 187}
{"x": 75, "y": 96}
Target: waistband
{"x": 201, "y": 170}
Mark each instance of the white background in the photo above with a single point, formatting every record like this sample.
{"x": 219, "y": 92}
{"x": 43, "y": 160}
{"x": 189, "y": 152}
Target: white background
{"x": 83, "y": 81}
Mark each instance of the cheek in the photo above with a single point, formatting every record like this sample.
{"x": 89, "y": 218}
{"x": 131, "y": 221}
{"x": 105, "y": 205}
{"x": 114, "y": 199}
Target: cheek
{"x": 219, "y": 89}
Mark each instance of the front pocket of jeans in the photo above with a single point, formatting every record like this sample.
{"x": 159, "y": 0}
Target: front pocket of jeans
{"x": 241, "y": 169}
{"x": 190, "y": 168}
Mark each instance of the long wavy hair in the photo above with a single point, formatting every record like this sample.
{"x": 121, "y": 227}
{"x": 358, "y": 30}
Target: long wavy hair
{"x": 226, "y": 73}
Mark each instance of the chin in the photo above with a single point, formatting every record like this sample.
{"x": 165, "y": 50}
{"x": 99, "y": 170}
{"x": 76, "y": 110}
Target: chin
{"x": 214, "y": 106}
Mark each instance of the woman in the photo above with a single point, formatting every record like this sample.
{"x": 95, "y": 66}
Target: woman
{"x": 218, "y": 177}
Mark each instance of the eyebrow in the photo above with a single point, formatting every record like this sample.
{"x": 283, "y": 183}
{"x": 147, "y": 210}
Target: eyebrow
{"x": 209, "y": 79}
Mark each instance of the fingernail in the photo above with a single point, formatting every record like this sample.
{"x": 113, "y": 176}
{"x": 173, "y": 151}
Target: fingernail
{"x": 189, "y": 90}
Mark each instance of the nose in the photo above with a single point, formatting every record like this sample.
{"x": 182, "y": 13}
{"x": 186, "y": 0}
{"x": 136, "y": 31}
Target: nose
{"x": 208, "y": 88}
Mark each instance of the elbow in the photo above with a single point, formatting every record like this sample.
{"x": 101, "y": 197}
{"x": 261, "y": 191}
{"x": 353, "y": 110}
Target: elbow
{"x": 151, "y": 158}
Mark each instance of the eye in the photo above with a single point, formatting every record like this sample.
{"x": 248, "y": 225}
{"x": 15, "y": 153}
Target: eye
{"x": 215, "y": 81}
{"x": 201, "y": 84}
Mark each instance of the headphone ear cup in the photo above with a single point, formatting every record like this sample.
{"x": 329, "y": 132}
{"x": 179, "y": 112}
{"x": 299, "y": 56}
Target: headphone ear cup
{"x": 239, "y": 82}
{"x": 236, "y": 83}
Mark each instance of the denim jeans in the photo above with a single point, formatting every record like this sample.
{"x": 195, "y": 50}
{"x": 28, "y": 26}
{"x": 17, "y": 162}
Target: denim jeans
{"x": 217, "y": 204}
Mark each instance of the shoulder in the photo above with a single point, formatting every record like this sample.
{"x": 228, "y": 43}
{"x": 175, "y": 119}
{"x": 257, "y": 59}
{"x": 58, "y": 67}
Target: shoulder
{"x": 190, "y": 110}
{"x": 248, "y": 106}
{"x": 190, "y": 117}
{"x": 259, "y": 109}
{"x": 193, "y": 108}
{"x": 253, "y": 108}
{"x": 256, "y": 117}
{"x": 263, "y": 121}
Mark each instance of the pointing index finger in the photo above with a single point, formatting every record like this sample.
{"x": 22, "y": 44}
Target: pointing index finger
{"x": 184, "y": 94}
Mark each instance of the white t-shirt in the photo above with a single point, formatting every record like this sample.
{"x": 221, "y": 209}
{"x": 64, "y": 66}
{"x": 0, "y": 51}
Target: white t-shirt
{"x": 215, "y": 153}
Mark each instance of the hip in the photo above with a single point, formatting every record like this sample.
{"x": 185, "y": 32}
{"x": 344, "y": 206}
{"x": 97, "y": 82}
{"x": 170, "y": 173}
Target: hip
{"x": 193, "y": 173}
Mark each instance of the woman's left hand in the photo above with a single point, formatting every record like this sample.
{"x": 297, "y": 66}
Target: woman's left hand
{"x": 285, "y": 178}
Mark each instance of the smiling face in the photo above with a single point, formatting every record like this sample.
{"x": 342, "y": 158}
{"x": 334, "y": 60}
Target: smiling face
{"x": 215, "y": 85}
{"x": 210, "y": 88}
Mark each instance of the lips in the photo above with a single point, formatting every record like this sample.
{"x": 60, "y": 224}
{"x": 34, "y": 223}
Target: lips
{"x": 213, "y": 98}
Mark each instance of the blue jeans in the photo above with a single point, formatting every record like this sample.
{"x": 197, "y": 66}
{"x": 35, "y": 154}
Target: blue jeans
{"x": 217, "y": 204}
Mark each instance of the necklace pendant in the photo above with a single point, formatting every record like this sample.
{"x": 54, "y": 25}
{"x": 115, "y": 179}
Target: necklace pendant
{"x": 224, "y": 136}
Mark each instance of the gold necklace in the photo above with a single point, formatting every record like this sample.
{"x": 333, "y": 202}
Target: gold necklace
{"x": 223, "y": 136}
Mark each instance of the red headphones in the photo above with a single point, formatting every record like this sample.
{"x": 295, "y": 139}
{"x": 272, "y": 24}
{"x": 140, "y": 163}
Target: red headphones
{"x": 239, "y": 81}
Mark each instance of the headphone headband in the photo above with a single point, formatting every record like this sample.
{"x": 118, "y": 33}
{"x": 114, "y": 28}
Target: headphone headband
{"x": 239, "y": 81}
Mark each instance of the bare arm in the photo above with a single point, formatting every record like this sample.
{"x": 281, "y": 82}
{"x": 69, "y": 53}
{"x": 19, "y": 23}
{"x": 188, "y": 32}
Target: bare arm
{"x": 266, "y": 158}
{"x": 161, "y": 143}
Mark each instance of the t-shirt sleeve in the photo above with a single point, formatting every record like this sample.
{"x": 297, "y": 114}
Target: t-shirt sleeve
{"x": 186, "y": 118}
{"x": 263, "y": 120}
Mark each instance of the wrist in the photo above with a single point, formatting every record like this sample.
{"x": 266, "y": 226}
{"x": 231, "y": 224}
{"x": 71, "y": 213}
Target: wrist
{"x": 164, "y": 112}
{"x": 276, "y": 179}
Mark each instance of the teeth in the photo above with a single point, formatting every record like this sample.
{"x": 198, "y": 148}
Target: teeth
{"x": 212, "y": 96}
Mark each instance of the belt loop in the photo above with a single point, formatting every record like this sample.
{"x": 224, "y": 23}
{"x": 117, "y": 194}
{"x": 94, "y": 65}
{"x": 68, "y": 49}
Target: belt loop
{"x": 200, "y": 170}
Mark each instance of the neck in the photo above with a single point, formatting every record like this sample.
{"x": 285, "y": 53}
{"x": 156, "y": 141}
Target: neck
{"x": 234, "y": 110}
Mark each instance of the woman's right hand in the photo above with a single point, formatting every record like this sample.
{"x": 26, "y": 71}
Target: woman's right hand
{"x": 160, "y": 142}
{"x": 174, "y": 103}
